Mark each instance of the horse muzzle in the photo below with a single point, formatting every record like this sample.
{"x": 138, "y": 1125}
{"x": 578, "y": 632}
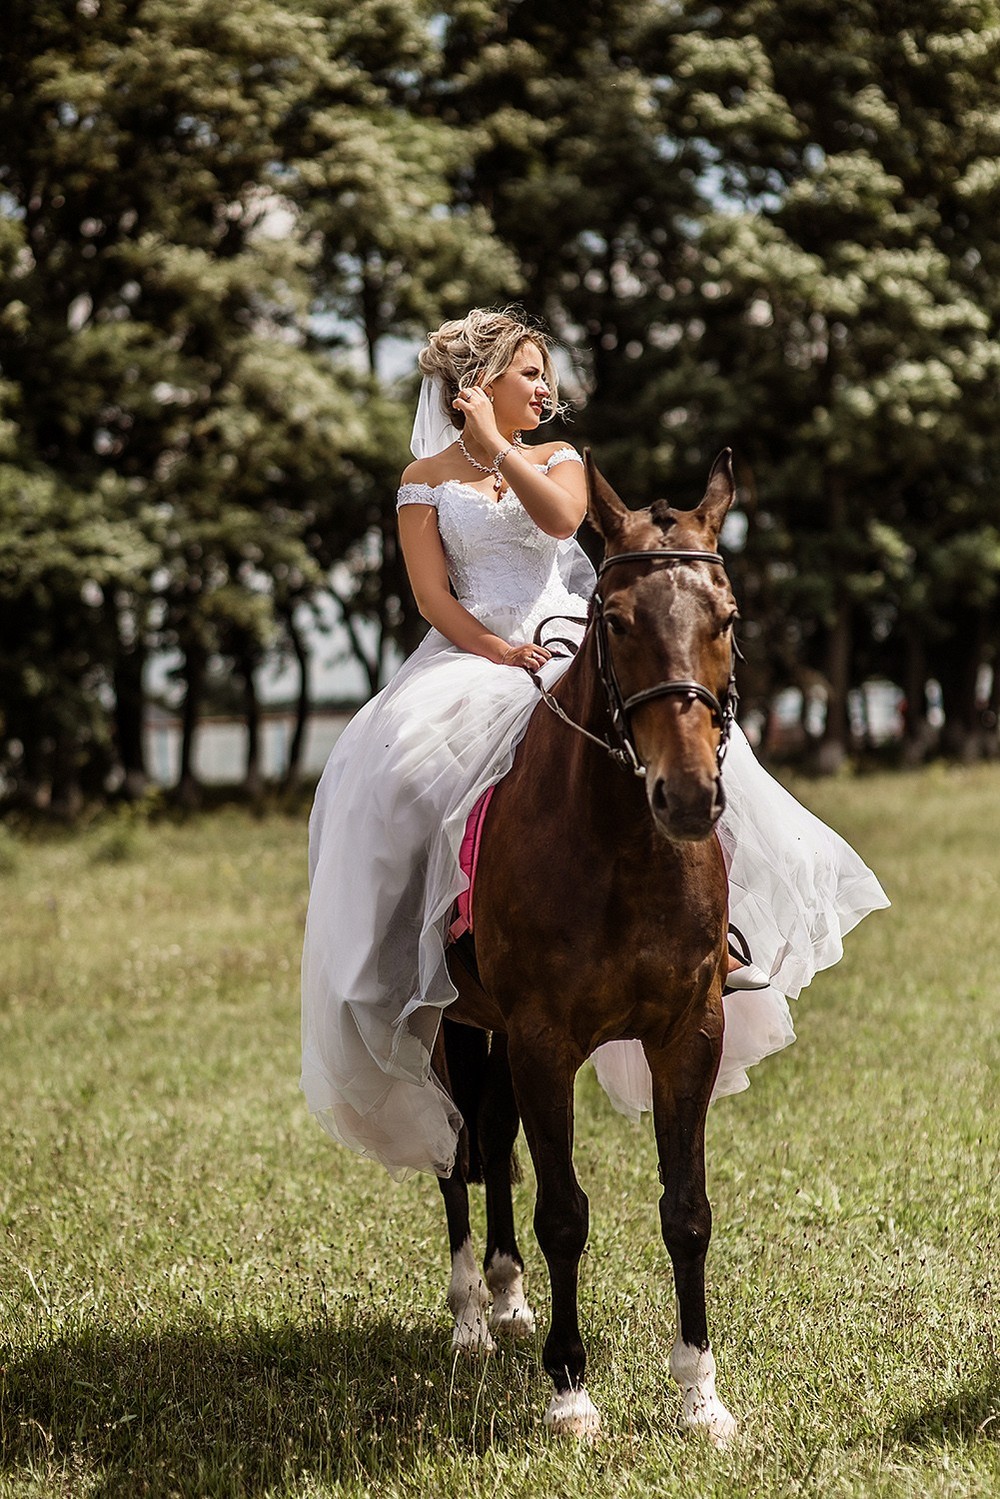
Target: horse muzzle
{"x": 685, "y": 809}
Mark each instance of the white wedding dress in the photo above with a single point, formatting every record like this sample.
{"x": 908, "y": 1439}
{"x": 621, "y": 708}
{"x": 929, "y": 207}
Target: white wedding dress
{"x": 388, "y": 821}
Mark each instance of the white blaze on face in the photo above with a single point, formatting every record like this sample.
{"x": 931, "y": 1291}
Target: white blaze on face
{"x": 468, "y": 1301}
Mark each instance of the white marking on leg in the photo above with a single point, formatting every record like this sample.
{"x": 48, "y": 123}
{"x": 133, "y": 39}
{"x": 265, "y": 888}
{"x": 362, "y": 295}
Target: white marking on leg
{"x": 694, "y": 1370}
{"x": 511, "y": 1316}
{"x": 573, "y": 1414}
{"x": 468, "y": 1300}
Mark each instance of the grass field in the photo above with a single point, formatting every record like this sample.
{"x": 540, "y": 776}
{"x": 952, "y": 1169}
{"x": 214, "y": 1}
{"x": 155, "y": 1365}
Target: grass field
{"x": 201, "y": 1295}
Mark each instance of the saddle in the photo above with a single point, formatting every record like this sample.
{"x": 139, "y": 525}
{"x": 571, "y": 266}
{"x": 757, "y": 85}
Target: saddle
{"x": 468, "y": 859}
{"x": 468, "y": 854}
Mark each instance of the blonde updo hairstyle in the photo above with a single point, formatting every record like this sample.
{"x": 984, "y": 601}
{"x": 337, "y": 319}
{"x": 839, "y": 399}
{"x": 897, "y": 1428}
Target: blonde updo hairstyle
{"x": 479, "y": 348}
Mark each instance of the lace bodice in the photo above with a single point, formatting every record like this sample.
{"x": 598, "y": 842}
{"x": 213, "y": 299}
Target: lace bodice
{"x": 504, "y": 569}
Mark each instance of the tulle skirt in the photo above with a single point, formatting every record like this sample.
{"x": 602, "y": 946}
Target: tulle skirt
{"x": 384, "y": 839}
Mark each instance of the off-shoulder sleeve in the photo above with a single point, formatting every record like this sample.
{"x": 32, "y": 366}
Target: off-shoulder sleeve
{"x": 562, "y": 455}
{"x": 416, "y": 494}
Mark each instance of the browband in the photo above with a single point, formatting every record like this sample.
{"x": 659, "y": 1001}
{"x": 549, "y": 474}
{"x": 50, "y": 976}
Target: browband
{"x": 659, "y": 554}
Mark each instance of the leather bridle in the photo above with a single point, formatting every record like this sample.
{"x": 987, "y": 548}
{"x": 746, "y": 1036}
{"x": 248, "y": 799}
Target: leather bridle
{"x": 624, "y": 752}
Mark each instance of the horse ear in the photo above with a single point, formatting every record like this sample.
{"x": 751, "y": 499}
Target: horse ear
{"x": 605, "y": 511}
{"x": 720, "y": 493}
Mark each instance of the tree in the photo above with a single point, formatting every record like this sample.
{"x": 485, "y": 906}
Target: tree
{"x": 840, "y": 288}
{"x": 769, "y": 225}
{"x": 395, "y": 256}
{"x": 61, "y": 550}
{"x": 139, "y": 163}
{"x": 588, "y": 189}
{"x": 191, "y": 191}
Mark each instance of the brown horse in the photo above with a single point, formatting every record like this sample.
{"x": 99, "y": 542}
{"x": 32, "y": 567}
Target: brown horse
{"x": 601, "y": 915}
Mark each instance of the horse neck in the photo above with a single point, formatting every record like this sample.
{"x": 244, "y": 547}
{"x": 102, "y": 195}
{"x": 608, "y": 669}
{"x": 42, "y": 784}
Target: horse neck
{"x": 609, "y": 812}
{"x": 579, "y": 689}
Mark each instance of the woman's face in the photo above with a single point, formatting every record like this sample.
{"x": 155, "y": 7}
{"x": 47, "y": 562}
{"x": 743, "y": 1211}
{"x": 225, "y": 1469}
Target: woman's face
{"x": 520, "y": 393}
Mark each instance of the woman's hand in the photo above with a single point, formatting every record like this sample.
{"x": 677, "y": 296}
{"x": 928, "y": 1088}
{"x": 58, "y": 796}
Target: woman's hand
{"x": 480, "y": 423}
{"x": 530, "y": 657}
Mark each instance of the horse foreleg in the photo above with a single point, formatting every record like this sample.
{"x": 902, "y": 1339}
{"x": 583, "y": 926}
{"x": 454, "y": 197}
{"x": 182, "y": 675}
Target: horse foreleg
{"x": 543, "y": 1086}
{"x": 498, "y": 1122}
{"x": 682, "y": 1085}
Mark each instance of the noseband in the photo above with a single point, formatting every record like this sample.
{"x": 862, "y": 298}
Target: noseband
{"x": 624, "y": 752}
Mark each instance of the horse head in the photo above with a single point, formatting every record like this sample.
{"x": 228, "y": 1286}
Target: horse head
{"x": 664, "y": 617}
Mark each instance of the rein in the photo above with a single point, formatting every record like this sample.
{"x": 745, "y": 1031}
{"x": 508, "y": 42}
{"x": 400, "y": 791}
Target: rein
{"x": 624, "y": 753}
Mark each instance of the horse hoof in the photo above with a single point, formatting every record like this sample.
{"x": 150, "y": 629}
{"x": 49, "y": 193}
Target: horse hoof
{"x": 711, "y": 1420}
{"x": 514, "y": 1326}
{"x": 694, "y": 1370}
{"x": 472, "y": 1339}
{"x": 573, "y": 1414}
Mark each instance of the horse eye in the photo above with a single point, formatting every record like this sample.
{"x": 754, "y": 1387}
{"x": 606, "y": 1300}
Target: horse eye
{"x": 616, "y": 624}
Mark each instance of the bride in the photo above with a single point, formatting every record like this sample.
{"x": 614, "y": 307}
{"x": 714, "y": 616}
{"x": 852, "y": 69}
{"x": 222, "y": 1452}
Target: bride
{"x": 486, "y": 525}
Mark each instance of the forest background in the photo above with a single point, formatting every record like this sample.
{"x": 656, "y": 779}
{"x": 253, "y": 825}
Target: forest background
{"x": 770, "y": 225}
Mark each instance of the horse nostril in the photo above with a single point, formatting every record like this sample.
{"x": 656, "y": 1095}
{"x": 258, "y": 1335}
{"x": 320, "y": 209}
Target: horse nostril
{"x": 658, "y": 799}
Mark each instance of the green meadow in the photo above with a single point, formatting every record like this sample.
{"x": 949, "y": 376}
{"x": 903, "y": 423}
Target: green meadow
{"x": 201, "y": 1295}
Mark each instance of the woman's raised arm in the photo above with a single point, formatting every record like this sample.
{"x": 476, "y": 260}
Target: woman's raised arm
{"x": 556, "y": 502}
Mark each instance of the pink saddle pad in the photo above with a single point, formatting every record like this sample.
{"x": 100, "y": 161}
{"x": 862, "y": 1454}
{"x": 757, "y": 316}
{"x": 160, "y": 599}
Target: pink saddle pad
{"x": 468, "y": 858}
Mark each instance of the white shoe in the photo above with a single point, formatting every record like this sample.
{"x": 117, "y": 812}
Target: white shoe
{"x": 747, "y": 976}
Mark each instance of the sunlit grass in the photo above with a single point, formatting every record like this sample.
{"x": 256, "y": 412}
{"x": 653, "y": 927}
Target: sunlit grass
{"x": 201, "y": 1295}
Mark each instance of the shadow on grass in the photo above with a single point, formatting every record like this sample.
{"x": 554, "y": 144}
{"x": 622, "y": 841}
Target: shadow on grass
{"x": 238, "y": 1411}
{"x": 970, "y": 1414}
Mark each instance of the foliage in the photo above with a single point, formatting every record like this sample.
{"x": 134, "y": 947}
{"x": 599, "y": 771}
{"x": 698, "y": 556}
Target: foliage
{"x": 771, "y": 226}
{"x": 841, "y": 289}
{"x": 764, "y": 225}
{"x": 188, "y": 190}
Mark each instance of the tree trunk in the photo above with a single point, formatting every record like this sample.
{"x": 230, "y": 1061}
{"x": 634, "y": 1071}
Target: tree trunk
{"x": 188, "y": 788}
{"x": 958, "y": 661}
{"x": 130, "y": 661}
{"x": 918, "y": 736}
{"x": 834, "y": 745}
{"x": 371, "y": 295}
{"x": 303, "y": 703}
{"x": 253, "y": 780}
{"x": 370, "y": 663}
{"x": 66, "y": 799}
{"x": 31, "y": 780}
{"x": 991, "y": 715}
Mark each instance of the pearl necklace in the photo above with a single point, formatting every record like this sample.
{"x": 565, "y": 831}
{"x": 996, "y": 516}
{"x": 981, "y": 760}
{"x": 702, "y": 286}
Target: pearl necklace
{"x": 493, "y": 468}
